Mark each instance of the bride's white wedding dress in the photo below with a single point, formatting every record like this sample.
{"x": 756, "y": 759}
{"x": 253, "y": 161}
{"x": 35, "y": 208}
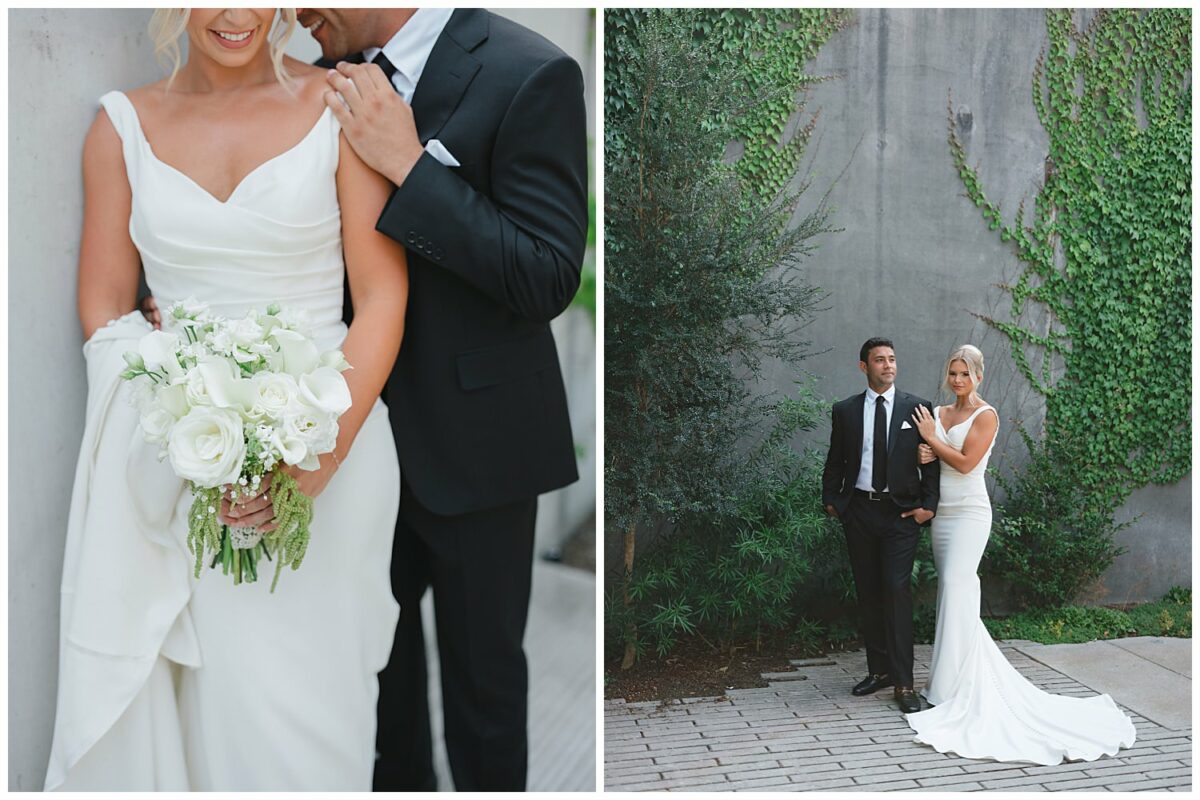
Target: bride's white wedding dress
{"x": 166, "y": 682}
{"x": 984, "y": 708}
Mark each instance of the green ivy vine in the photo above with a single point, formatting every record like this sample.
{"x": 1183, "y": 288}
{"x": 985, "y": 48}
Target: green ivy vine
{"x": 768, "y": 47}
{"x": 1108, "y": 252}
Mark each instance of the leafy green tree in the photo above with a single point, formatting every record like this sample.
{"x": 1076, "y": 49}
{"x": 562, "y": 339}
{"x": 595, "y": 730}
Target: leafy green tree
{"x": 703, "y": 286}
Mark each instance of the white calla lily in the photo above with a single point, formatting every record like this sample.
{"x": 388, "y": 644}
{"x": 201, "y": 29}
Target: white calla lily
{"x": 326, "y": 389}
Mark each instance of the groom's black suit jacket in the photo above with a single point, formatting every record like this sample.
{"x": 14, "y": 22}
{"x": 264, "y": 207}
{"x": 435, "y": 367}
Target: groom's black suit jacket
{"x": 495, "y": 247}
{"x": 910, "y": 485}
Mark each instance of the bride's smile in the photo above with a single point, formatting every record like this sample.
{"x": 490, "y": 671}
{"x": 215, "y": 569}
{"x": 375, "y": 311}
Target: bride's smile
{"x": 233, "y": 41}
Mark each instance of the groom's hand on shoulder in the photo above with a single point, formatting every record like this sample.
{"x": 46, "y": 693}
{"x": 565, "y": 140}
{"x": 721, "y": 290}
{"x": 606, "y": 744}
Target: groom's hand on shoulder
{"x": 377, "y": 122}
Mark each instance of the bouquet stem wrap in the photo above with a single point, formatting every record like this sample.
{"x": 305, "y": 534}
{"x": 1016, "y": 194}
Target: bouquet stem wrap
{"x": 286, "y": 545}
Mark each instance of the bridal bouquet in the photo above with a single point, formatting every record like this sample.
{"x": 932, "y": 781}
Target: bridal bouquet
{"x": 229, "y": 400}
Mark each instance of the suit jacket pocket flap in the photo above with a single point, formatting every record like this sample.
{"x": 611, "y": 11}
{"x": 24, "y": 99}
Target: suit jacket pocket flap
{"x": 506, "y": 362}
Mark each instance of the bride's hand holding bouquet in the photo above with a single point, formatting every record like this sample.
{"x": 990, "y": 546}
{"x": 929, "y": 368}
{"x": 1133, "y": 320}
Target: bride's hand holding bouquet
{"x": 247, "y": 411}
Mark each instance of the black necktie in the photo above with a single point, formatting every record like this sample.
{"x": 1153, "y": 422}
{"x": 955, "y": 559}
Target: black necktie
{"x": 381, "y": 61}
{"x": 879, "y": 462}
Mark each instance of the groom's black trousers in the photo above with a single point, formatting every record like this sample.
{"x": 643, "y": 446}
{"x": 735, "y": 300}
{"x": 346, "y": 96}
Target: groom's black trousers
{"x": 479, "y": 566}
{"x": 882, "y": 545}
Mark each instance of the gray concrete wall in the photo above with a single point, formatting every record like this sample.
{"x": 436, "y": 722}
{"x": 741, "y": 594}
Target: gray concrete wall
{"x": 60, "y": 62}
{"x": 915, "y": 261}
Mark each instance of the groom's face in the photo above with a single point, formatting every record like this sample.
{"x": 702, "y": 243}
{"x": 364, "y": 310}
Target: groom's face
{"x": 880, "y": 368}
{"x": 345, "y": 31}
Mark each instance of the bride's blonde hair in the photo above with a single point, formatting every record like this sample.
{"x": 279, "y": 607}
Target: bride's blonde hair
{"x": 970, "y": 355}
{"x": 167, "y": 26}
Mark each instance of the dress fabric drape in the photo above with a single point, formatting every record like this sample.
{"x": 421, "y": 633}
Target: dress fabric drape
{"x": 171, "y": 683}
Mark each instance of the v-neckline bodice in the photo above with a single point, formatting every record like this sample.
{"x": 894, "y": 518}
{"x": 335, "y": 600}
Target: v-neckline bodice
{"x": 137, "y": 120}
{"x": 971, "y": 418}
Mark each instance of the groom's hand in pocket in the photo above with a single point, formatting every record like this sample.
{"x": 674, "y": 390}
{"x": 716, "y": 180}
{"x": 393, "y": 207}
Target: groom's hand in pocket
{"x": 377, "y": 122}
{"x": 921, "y": 515}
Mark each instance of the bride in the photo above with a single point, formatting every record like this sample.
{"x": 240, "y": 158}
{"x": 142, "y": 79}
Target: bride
{"x": 982, "y": 707}
{"x": 228, "y": 182}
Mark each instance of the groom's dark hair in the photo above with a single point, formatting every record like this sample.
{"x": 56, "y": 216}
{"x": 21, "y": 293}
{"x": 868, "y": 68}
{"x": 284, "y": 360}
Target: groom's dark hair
{"x": 871, "y": 344}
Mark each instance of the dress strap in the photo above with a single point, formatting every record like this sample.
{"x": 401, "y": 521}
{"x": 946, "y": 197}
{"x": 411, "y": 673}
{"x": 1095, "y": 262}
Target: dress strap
{"x": 125, "y": 120}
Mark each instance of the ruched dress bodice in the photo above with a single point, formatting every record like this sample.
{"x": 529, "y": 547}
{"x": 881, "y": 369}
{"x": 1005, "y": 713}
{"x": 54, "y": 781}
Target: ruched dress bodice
{"x": 962, "y": 494}
{"x": 276, "y": 239}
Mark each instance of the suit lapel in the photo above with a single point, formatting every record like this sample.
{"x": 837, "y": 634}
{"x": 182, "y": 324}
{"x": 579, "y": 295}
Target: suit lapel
{"x": 856, "y": 428}
{"x": 900, "y": 412}
{"x": 449, "y": 71}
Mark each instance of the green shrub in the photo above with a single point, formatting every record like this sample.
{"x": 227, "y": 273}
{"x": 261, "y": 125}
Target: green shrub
{"x": 1052, "y": 537}
{"x": 775, "y": 568}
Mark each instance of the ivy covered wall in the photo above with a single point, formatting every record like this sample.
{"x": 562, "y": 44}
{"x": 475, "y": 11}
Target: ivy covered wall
{"x": 1100, "y": 177}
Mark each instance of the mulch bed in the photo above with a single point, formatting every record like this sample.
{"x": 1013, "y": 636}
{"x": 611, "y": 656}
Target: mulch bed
{"x": 694, "y": 669}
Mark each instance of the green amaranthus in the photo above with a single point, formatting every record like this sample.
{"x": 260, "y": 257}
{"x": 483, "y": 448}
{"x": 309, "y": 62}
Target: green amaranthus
{"x": 286, "y": 544}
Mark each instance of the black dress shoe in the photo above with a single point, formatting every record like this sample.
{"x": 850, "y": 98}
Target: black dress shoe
{"x": 870, "y": 685}
{"x": 908, "y": 700}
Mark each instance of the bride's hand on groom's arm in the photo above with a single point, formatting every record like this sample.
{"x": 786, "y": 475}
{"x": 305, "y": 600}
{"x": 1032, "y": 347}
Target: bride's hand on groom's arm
{"x": 925, "y": 454}
{"x": 926, "y": 426}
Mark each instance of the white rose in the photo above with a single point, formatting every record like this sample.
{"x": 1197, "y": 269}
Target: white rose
{"x": 207, "y": 447}
{"x": 326, "y": 389}
{"x": 160, "y": 350}
{"x": 300, "y": 355}
{"x": 272, "y": 393}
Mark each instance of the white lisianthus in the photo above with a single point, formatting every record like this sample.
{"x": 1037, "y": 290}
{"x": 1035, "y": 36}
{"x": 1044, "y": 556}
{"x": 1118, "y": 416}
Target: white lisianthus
{"x": 317, "y": 428}
{"x": 141, "y": 395}
{"x": 294, "y": 318}
{"x": 220, "y": 341}
{"x": 291, "y": 448}
{"x": 246, "y": 331}
{"x": 160, "y": 350}
{"x": 190, "y": 308}
{"x": 326, "y": 389}
{"x": 300, "y": 355}
{"x": 207, "y": 447}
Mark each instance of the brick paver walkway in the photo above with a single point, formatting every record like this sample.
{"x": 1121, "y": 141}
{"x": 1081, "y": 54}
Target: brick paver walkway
{"x": 806, "y": 732}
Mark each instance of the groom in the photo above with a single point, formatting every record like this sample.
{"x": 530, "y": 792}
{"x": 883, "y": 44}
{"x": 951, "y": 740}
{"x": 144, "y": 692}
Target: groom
{"x": 480, "y": 125}
{"x": 874, "y": 485}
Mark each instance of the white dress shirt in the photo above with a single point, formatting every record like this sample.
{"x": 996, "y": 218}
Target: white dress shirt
{"x": 868, "y": 442}
{"x": 409, "y": 49}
